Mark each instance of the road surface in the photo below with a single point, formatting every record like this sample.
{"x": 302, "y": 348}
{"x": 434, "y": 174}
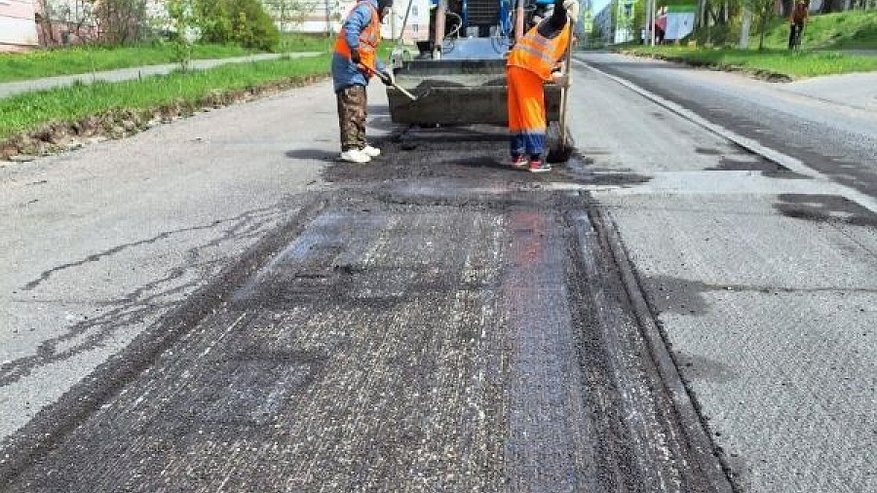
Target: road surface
{"x": 226, "y": 309}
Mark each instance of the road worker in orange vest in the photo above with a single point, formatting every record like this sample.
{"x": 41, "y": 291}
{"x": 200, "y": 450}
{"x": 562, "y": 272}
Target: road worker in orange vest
{"x": 354, "y": 62}
{"x": 532, "y": 62}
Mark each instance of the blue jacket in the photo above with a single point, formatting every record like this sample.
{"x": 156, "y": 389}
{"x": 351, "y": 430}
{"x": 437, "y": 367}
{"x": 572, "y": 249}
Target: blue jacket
{"x": 344, "y": 72}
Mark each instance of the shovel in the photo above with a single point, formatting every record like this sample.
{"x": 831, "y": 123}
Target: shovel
{"x": 560, "y": 149}
{"x": 390, "y": 82}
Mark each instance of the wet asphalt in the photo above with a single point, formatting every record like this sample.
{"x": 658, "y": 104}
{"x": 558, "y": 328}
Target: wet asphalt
{"x": 434, "y": 321}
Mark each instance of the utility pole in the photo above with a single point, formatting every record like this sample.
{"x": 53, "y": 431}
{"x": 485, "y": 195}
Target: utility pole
{"x": 648, "y": 23}
{"x": 744, "y": 29}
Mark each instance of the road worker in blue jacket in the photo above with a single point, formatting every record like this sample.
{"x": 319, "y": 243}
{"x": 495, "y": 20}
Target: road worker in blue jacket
{"x": 354, "y": 62}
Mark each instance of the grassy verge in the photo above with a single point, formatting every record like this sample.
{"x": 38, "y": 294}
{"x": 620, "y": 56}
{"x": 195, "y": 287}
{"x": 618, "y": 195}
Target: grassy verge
{"x": 823, "y": 37}
{"x": 81, "y": 60}
{"x": 845, "y": 30}
{"x": 305, "y": 42}
{"x": 769, "y": 64}
{"x": 68, "y": 107}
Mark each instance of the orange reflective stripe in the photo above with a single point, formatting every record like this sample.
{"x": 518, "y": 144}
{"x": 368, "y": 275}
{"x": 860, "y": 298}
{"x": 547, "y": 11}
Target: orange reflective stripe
{"x": 538, "y": 54}
{"x": 369, "y": 39}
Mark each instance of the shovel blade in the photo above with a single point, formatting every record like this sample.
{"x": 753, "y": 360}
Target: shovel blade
{"x": 560, "y": 150}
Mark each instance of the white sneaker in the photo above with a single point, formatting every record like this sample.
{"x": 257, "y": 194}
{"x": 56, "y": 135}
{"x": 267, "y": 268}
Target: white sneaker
{"x": 355, "y": 156}
{"x": 371, "y": 151}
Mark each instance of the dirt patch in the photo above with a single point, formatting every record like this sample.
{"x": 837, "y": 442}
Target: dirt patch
{"x": 825, "y": 208}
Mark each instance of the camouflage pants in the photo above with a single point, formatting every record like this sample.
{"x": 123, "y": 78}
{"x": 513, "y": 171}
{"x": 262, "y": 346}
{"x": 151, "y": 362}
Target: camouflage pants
{"x": 352, "y": 112}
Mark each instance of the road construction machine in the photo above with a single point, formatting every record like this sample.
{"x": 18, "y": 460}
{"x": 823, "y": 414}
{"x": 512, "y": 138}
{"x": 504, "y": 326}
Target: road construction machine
{"x": 458, "y": 77}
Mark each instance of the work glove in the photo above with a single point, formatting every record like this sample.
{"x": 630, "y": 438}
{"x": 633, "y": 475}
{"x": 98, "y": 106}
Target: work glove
{"x": 354, "y": 56}
{"x": 572, "y": 9}
{"x": 560, "y": 79}
{"x": 387, "y": 78}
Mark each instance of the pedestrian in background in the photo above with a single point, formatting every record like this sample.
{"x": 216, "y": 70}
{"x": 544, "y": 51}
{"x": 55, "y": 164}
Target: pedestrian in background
{"x": 354, "y": 62}
{"x": 531, "y": 63}
{"x": 799, "y": 17}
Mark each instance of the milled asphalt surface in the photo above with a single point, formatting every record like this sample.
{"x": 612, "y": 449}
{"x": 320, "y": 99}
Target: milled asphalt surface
{"x": 261, "y": 319}
{"x": 435, "y": 321}
{"x": 99, "y": 243}
{"x": 764, "y": 281}
{"x": 11, "y": 88}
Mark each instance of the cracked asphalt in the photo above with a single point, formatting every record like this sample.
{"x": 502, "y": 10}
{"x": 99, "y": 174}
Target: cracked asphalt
{"x": 214, "y": 305}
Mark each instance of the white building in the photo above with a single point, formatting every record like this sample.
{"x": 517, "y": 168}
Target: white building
{"x": 18, "y": 29}
{"x": 326, "y": 16}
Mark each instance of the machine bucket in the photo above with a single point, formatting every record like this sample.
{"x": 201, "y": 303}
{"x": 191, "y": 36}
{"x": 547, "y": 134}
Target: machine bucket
{"x": 457, "y": 92}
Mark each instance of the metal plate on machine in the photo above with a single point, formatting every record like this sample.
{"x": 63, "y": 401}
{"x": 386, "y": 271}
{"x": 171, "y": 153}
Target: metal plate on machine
{"x": 457, "y": 92}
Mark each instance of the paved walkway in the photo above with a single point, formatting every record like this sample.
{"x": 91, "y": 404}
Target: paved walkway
{"x": 860, "y": 51}
{"x": 857, "y": 90}
{"x": 10, "y": 88}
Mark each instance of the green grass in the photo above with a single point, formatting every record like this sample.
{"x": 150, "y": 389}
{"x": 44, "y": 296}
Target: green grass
{"x": 844, "y": 30}
{"x": 81, "y": 60}
{"x": 305, "y": 42}
{"x": 791, "y": 64}
{"x": 314, "y": 42}
{"x": 29, "y": 112}
{"x": 823, "y": 36}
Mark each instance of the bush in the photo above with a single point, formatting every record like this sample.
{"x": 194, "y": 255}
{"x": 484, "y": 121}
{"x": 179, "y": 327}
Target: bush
{"x": 244, "y": 22}
{"x": 718, "y": 35}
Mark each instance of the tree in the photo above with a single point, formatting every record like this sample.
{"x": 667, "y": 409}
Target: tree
{"x": 183, "y": 20}
{"x": 102, "y": 21}
{"x": 288, "y": 13}
{"x": 120, "y": 21}
{"x": 66, "y": 21}
{"x": 240, "y": 21}
{"x": 764, "y": 10}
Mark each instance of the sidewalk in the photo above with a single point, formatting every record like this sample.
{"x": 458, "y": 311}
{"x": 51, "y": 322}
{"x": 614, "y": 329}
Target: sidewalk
{"x": 11, "y": 88}
{"x": 859, "y": 51}
{"x": 854, "y": 90}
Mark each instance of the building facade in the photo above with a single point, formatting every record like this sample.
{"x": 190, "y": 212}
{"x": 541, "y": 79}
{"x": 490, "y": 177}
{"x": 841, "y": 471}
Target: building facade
{"x": 604, "y": 29}
{"x": 27, "y": 24}
{"x": 18, "y": 30}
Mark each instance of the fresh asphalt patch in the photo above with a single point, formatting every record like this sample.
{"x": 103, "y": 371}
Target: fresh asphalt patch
{"x": 434, "y": 321}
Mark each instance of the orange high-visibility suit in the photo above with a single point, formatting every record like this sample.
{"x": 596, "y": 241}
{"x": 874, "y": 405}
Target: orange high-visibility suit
{"x": 529, "y": 66}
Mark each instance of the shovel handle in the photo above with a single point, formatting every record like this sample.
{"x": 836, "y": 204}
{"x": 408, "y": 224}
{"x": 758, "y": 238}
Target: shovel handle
{"x": 386, "y": 79}
{"x": 564, "y": 95}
